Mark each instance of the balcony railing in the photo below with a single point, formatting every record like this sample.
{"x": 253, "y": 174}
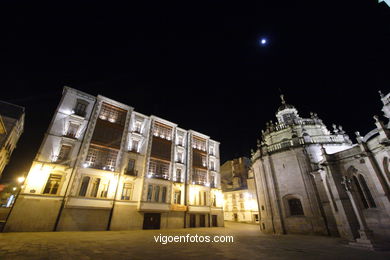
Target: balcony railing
{"x": 301, "y": 141}
{"x": 99, "y": 166}
{"x": 158, "y": 176}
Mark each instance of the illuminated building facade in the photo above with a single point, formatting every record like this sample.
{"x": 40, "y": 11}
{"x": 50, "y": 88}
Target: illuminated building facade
{"x": 240, "y": 204}
{"x": 314, "y": 181}
{"x": 103, "y": 166}
{"x": 239, "y": 191}
{"x": 11, "y": 128}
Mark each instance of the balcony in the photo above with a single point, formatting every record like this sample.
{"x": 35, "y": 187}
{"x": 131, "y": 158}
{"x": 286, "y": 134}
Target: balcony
{"x": 99, "y": 166}
{"x": 158, "y": 176}
{"x": 198, "y": 182}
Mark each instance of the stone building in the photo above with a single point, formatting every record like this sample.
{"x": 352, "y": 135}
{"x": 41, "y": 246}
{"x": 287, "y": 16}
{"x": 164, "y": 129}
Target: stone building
{"x": 239, "y": 191}
{"x": 234, "y": 173}
{"x": 311, "y": 180}
{"x": 11, "y": 128}
{"x": 103, "y": 166}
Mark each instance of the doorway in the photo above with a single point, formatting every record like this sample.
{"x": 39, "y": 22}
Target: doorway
{"x": 214, "y": 220}
{"x": 192, "y": 220}
{"x": 152, "y": 220}
{"x": 202, "y": 220}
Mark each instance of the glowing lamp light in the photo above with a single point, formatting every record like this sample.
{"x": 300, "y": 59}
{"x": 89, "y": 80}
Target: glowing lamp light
{"x": 14, "y": 188}
{"x": 21, "y": 179}
{"x": 85, "y": 165}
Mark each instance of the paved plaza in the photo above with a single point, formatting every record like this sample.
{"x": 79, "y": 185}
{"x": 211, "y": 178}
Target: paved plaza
{"x": 249, "y": 243}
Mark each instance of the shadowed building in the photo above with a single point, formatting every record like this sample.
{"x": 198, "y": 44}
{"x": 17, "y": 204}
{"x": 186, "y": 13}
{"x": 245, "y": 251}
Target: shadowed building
{"x": 240, "y": 198}
{"x": 104, "y": 166}
{"x": 11, "y": 127}
{"x": 311, "y": 180}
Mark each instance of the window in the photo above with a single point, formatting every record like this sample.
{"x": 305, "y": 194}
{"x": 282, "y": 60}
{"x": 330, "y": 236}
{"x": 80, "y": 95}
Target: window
{"x": 295, "y": 207}
{"x": 137, "y": 126}
{"x": 134, "y": 145}
{"x": 212, "y": 165}
{"x": 212, "y": 150}
{"x": 101, "y": 158}
{"x": 241, "y": 195}
{"x": 199, "y": 143}
{"x": 180, "y": 140}
{"x": 84, "y": 186}
{"x": 92, "y": 156}
{"x": 104, "y": 190}
{"x": 180, "y": 157}
{"x": 204, "y": 161}
{"x": 178, "y": 175}
{"x": 164, "y": 194}
{"x": 52, "y": 184}
{"x": 177, "y": 197}
{"x": 127, "y": 191}
{"x": 131, "y": 167}
{"x": 212, "y": 181}
{"x": 81, "y": 107}
{"x": 112, "y": 114}
{"x": 72, "y": 130}
{"x": 242, "y": 205}
{"x": 111, "y": 159}
{"x": 159, "y": 169}
{"x": 162, "y": 131}
{"x": 64, "y": 153}
{"x": 214, "y": 200}
{"x": 199, "y": 176}
{"x": 150, "y": 191}
{"x": 156, "y": 193}
{"x": 205, "y": 198}
{"x": 95, "y": 187}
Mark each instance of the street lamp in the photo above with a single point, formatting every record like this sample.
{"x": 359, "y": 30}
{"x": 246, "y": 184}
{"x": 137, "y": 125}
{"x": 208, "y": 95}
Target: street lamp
{"x": 21, "y": 179}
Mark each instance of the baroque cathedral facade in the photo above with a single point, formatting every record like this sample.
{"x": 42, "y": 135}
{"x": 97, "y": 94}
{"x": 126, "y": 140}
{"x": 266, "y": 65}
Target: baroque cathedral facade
{"x": 312, "y": 180}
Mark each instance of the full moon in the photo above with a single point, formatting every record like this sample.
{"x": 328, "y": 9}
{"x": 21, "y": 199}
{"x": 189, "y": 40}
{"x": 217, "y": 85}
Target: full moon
{"x": 263, "y": 41}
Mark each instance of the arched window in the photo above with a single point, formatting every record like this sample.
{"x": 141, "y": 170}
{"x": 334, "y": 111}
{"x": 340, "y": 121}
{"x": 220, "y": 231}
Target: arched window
{"x": 84, "y": 186}
{"x": 363, "y": 191}
{"x": 295, "y": 207}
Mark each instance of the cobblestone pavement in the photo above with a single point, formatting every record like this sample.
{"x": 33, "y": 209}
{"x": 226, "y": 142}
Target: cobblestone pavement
{"x": 248, "y": 243}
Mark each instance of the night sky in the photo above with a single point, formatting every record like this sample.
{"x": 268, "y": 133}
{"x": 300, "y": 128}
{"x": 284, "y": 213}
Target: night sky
{"x": 197, "y": 63}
